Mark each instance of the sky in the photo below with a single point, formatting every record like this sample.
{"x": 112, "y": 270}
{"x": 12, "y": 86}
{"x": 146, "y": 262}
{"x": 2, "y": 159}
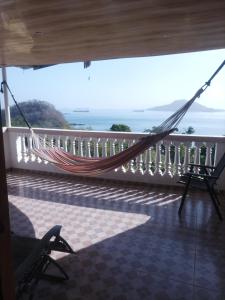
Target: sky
{"x": 132, "y": 83}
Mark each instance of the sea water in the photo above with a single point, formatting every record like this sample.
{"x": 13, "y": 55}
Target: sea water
{"x": 204, "y": 123}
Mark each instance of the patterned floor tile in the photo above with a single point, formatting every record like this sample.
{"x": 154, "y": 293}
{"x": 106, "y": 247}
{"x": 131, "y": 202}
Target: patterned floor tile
{"x": 210, "y": 268}
{"x": 207, "y": 294}
{"x": 130, "y": 242}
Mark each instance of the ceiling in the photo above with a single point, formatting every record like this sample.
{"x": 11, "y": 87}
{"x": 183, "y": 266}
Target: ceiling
{"x": 38, "y": 32}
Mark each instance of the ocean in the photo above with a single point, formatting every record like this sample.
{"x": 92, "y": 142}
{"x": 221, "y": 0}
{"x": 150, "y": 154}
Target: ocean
{"x": 204, "y": 123}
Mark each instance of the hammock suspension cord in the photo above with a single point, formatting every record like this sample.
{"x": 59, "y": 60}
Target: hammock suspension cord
{"x": 94, "y": 166}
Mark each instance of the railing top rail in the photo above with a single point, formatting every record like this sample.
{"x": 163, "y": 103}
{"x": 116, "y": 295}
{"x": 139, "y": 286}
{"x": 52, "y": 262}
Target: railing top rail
{"x": 116, "y": 135}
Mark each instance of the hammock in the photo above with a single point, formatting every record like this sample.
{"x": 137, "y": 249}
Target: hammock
{"x": 96, "y": 166}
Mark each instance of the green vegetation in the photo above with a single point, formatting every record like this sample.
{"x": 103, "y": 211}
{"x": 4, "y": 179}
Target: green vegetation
{"x": 120, "y": 127}
{"x": 189, "y": 130}
{"x": 153, "y": 130}
{"x": 38, "y": 114}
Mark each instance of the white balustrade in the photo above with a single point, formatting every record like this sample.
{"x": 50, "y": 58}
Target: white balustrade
{"x": 161, "y": 163}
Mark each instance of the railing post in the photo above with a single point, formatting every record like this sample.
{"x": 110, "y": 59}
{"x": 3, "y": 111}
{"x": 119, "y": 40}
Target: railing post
{"x": 6, "y": 99}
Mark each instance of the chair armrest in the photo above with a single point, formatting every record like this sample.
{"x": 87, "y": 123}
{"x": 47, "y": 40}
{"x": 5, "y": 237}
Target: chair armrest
{"x": 190, "y": 174}
{"x": 203, "y": 166}
{"x": 61, "y": 245}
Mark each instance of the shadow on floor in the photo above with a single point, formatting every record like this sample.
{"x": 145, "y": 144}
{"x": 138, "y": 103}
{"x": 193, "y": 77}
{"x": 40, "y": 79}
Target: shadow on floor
{"x": 23, "y": 219}
{"x": 145, "y": 262}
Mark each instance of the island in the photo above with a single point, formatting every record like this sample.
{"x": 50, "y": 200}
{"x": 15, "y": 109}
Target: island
{"x": 175, "y": 105}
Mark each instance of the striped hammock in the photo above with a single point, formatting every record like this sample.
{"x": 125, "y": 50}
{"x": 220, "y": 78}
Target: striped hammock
{"x": 92, "y": 166}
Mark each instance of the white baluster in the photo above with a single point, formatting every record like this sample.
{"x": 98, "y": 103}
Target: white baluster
{"x": 25, "y": 156}
{"x": 186, "y": 157}
{"x": 30, "y": 154}
{"x": 87, "y": 148}
{"x": 172, "y": 159}
{"x": 140, "y": 164}
{"x": 131, "y": 162}
{"x": 168, "y": 165}
{"x": 158, "y": 159}
{"x": 213, "y": 154}
{"x": 44, "y": 140}
{"x": 19, "y": 148}
{"x": 178, "y": 161}
{"x": 65, "y": 143}
{"x": 149, "y": 161}
{"x": 120, "y": 145}
{"x": 24, "y": 148}
{"x": 121, "y": 148}
{"x": 73, "y": 141}
{"x": 80, "y": 147}
{"x": 96, "y": 147}
{"x": 194, "y": 151}
{"x": 208, "y": 154}
{"x": 51, "y": 141}
{"x": 112, "y": 147}
{"x": 144, "y": 163}
{"x": 70, "y": 144}
{"x": 58, "y": 142}
{"x": 175, "y": 167}
{"x": 104, "y": 147}
{"x": 198, "y": 153}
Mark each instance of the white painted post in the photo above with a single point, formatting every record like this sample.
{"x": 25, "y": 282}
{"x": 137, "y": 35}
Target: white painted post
{"x": 6, "y": 99}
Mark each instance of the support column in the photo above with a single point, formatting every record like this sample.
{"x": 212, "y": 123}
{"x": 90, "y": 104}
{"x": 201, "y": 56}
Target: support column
{"x": 6, "y": 100}
{"x": 7, "y": 284}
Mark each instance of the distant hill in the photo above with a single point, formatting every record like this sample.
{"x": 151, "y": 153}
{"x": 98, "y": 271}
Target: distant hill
{"x": 196, "y": 107}
{"x": 38, "y": 114}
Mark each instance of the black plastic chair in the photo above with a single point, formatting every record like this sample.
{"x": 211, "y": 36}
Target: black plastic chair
{"x": 32, "y": 260}
{"x": 205, "y": 178}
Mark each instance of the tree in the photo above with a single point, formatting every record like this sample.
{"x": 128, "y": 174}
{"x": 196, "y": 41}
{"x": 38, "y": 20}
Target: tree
{"x": 120, "y": 127}
{"x": 38, "y": 114}
{"x": 189, "y": 130}
{"x": 153, "y": 130}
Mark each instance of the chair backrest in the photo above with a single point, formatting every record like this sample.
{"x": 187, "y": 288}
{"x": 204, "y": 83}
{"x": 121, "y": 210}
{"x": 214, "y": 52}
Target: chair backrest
{"x": 26, "y": 270}
{"x": 219, "y": 167}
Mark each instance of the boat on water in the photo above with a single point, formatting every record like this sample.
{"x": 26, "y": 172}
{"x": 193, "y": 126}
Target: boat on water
{"x": 81, "y": 110}
{"x": 138, "y": 110}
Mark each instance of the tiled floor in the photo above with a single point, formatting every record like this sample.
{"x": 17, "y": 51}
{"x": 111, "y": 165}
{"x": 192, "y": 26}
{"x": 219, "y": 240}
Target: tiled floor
{"x": 129, "y": 240}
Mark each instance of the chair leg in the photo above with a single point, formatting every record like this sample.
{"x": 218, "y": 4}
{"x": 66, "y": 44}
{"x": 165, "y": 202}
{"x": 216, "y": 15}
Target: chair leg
{"x": 213, "y": 200}
{"x": 184, "y": 195}
{"x": 50, "y": 260}
{"x": 216, "y": 196}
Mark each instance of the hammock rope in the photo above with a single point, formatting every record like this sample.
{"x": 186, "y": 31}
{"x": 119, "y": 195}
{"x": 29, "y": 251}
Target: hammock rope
{"x": 95, "y": 166}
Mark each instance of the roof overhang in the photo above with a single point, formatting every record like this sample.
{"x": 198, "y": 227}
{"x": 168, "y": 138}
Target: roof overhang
{"x": 57, "y": 31}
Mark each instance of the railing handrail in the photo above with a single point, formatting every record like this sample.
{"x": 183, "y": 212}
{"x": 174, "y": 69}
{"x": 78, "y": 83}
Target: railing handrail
{"x": 116, "y": 135}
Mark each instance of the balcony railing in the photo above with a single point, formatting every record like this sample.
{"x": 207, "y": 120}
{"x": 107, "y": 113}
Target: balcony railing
{"x": 160, "y": 164}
